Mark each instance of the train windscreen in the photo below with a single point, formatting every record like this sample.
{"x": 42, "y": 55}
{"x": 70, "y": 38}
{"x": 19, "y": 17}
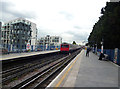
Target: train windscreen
{"x": 65, "y": 46}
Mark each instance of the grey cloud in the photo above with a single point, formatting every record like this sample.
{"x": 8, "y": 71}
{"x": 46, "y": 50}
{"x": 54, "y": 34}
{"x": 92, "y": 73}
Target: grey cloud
{"x": 67, "y": 15}
{"x": 8, "y": 13}
{"x": 81, "y": 27}
{"x": 77, "y": 27}
{"x": 42, "y": 32}
{"x": 78, "y": 36}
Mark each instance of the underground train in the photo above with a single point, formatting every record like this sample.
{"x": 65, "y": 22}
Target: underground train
{"x": 66, "y": 47}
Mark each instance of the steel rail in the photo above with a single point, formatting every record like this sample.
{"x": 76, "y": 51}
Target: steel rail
{"x": 23, "y": 70}
{"x": 27, "y": 84}
{"x": 32, "y": 78}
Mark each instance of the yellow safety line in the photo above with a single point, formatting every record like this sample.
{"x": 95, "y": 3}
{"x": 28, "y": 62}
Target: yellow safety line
{"x": 58, "y": 84}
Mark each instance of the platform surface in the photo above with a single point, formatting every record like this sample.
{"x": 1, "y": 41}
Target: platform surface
{"x": 87, "y": 72}
{"x": 17, "y": 55}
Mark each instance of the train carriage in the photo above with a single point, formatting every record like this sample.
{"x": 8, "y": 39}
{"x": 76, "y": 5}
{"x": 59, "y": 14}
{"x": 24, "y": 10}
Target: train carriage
{"x": 66, "y": 48}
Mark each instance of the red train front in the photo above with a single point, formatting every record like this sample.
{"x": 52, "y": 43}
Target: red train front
{"x": 64, "y": 47}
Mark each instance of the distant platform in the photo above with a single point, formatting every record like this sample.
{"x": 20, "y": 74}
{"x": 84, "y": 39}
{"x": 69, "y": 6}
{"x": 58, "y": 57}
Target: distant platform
{"x": 18, "y": 55}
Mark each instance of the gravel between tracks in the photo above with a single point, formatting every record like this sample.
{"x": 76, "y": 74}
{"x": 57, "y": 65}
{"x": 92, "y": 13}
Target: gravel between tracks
{"x": 24, "y": 77}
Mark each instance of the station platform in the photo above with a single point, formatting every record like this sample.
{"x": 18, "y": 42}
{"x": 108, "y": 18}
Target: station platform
{"x": 17, "y": 55}
{"x": 88, "y": 73}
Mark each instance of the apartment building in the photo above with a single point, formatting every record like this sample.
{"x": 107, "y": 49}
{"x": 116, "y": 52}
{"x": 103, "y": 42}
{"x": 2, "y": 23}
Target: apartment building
{"x": 17, "y": 33}
{"x": 50, "y": 40}
{"x": 56, "y": 40}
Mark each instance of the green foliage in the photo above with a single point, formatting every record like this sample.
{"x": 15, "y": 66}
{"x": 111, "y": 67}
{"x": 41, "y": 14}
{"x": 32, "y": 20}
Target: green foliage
{"x": 74, "y": 43}
{"x": 107, "y": 27}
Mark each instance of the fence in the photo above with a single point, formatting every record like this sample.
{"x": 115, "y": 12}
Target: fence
{"x": 32, "y": 48}
{"x": 111, "y": 54}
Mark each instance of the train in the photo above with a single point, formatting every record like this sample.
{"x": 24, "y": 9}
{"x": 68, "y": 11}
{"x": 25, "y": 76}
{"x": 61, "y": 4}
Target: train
{"x": 67, "y": 48}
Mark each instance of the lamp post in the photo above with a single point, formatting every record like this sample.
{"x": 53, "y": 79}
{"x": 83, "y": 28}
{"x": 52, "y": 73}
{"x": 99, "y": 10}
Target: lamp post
{"x": 96, "y": 48}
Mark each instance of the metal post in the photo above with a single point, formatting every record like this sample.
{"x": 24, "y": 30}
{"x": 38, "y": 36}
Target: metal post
{"x": 102, "y": 46}
{"x": 96, "y": 48}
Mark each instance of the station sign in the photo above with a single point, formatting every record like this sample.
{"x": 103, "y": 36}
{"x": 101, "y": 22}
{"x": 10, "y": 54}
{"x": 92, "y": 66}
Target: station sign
{"x": 28, "y": 46}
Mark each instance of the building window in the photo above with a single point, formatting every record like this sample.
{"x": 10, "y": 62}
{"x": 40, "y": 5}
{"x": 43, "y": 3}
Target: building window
{"x": 2, "y": 34}
{"x": 23, "y": 20}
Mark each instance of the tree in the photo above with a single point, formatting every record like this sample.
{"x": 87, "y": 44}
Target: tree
{"x": 74, "y": 43}
{"x": 107, "y": 27}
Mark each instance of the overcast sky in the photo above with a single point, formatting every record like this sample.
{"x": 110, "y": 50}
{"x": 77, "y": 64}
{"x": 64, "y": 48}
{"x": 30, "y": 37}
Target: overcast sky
{"x": 71, "y": 19}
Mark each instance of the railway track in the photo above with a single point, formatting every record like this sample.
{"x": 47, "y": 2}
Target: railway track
{"x": 37, "y": 79}
{"x": 43, "y": 74}
{"x": 41, "y": 79}
{"x": 11, "y": 74}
